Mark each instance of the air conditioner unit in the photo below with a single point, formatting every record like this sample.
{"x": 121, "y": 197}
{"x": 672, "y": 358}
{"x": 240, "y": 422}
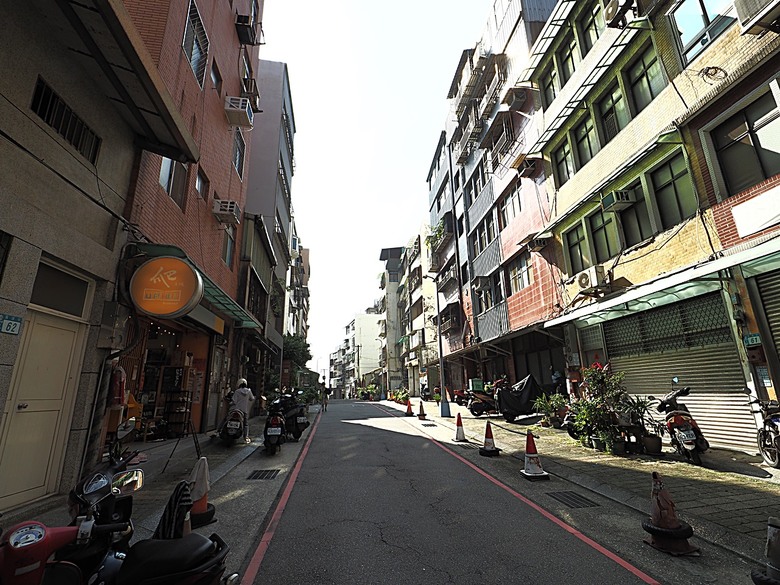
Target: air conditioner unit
{"x": 515, "y": 98}
{"x": 590, "y": 278}
{"x": 617, "y": 200}
{"x": 615, "y": 12}
{"x": 226, "y": 212}
{"x": 527, "y": 168}
{"x": 246, "y": 30}
{"x": 481, "y": 282}
{"x": 537, "y": 244}
{"x": 239, "y": 112}
{"x": 756, "y": 16}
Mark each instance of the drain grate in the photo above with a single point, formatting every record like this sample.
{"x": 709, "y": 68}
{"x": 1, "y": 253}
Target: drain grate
{"x": 429, "y": 424}
{"x": 264, "y": 474}
{"x": 467, "y": 445}
{"x": 572, "y": 499}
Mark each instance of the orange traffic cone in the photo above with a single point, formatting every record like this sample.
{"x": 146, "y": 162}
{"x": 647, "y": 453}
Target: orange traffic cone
{"x": 421, "y": 414}
{"x": 489, "y": 449}
{"x": 533, "y": 466}
{"x": 202, "y": 512}
{"x": 409, "y": 408}
{"x": 459, "y": 434}
{"x": 667, "y": 533}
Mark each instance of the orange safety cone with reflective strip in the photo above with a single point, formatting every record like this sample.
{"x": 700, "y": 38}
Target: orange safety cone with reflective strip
{"x": 409, "y": 408}
{"x": 421, "y": 414}
{"x": 533, "y": 466}
{"x": 460, "y": 436}
{"x": 489, "y": 449}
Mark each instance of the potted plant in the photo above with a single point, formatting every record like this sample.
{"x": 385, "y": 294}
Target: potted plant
{"x": 437, "y": 398}
{"x": 557, "y": 404}
{"x": 542, "y": 406}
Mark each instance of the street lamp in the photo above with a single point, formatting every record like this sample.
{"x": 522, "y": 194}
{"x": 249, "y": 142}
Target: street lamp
{"x": 444, "y": 405}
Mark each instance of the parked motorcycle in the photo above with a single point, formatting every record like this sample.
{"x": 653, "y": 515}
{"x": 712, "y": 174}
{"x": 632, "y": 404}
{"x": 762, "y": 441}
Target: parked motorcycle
{"x": 295, "y": 419}
{"x": 275, "y": 431}
{"x": 517, "y": 399}
{"x": 684, "y": 432}
{"x": 482, "y": 402}
{"x": 94, "y": 548}
{"x": 768, "y": 437}
{"x": 460, "y": 397}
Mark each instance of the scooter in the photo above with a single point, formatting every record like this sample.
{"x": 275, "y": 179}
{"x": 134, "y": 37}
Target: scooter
{"x": 482, "y": 403}
{"x": 768, "y": 436}
{"x": 233, "y": 429}
{"x": 275, "y": 431}
{"x": 684, "y": 432}
{"x": 295, "y": 419}
{"x": 94, "y": 549}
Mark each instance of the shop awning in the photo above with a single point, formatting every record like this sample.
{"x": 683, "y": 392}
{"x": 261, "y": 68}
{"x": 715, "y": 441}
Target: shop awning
{"x": 216, "y": 297}
{"x": 685, "y": 283}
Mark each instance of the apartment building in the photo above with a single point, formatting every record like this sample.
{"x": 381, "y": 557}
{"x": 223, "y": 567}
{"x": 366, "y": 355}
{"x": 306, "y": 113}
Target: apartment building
{"x": 657, "y": 135}
{"x": 389, "y": 330}
{"x": 268, "y": 220}
{"x": 488, "y": 203}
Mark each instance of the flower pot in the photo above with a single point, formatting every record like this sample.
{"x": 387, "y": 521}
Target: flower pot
{"x": 598, "y": 443}
{"x": 544, "y": 422}
{"x": 618, "y": 448}
{"x": 652, "y": 444}
{"x": 556, "y": 422}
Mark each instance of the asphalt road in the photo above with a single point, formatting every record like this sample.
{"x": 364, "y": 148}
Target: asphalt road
{"x": 376, "y": 500}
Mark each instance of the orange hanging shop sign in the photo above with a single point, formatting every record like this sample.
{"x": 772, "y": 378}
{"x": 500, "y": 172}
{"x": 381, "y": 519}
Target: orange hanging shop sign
{"x": 166, "y": 287}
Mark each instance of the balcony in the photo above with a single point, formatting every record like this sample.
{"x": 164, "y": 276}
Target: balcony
{"x": 493, "y": 90}
{"x": 447, "y": 278}
{"x": 494, "y": 322}
{"x": 441, "y": 235}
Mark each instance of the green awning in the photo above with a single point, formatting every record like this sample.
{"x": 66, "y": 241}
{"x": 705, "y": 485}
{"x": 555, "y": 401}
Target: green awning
{"x": 218, "y": 298}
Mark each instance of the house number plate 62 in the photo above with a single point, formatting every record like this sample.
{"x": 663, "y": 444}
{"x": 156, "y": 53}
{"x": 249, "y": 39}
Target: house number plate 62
{"x": 10, "y": 324}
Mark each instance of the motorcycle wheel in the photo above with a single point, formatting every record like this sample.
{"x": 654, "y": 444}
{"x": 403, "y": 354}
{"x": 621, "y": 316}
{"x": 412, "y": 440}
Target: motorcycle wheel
{"x": 767, "y": 445}
{"x": 297, "y": 434}
{"x": 475, "y": 412}
{"x": 509, "y": 417}
{"x": 271, "y": 449}
{"x": 695, "y": 457}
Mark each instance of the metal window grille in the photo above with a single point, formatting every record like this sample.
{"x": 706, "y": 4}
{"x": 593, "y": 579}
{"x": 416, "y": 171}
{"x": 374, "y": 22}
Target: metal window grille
{"x": 695, "y": 322}
{"x": 196, "y": 43}
{"x": 239, "y": 148}
{"x": 56, "y": 113}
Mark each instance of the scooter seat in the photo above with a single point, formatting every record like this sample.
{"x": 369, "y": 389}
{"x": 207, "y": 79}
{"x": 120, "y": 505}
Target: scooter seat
{"x": 155, "y": 558}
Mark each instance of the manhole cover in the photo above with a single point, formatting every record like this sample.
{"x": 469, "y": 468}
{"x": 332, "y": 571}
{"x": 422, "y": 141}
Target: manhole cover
{"x": 264, "y": 474}
{"x": 572, "y": 499}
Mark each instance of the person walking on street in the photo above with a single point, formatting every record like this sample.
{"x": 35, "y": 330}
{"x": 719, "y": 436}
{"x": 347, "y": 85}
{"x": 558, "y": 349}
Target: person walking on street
{"x": 324, "y": 396}
{"x": 241, "y": 400}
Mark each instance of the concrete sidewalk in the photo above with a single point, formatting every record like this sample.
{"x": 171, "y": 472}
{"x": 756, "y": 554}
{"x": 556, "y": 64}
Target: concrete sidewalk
{"x": 727, "y": 501}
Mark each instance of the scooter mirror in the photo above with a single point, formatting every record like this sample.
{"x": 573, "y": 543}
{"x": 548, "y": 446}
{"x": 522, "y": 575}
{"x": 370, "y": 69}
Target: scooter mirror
{"x": 675, "y": 380}
{"x": 127, "y": 481}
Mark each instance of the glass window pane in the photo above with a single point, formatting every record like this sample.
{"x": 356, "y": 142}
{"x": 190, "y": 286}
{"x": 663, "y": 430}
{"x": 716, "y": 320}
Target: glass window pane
{"x": 690, "y": 21}
{"x": 740, "y": 166}
{"x": 59, "y": 290}
{"x": 768, "y": 144}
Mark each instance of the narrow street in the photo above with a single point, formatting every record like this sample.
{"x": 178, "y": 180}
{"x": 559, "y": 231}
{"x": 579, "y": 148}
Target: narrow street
{"x": 377, "y": 497}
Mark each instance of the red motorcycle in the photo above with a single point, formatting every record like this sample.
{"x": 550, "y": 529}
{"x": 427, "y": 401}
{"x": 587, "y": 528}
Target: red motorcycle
{"x": 684, "y": 432}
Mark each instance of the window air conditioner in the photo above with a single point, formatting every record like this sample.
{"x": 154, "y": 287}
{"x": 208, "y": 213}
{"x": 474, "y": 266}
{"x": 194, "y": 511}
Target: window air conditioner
{"x": 527, "y": 168}
{"x": 481, "y": 282}
{"x": 615, "y": 12}
{"x": 227, "y": 212}
{"x": 756, "y": 16}
{"x": 246, "y": 30}
{"x": 239, "y": 111}
{"x": 617, "y": 200}
{"x": 590, "y": 278}
{"x": 515, "y": 98}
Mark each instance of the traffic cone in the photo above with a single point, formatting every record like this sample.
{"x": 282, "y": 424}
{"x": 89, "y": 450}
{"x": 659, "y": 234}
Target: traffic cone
{"x": 421, "y": 414}
{"x": 409, "y": 408}
{"x": 489, "y": 449}
{"x": 202, "y": 512}
{"x": 460, "y": 436}
{"x": 667, "y": 533}
{"x": 533, "y": 466}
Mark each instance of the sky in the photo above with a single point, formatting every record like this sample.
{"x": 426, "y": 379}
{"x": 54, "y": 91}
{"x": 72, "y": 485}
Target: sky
{"x": 369, "y": 83}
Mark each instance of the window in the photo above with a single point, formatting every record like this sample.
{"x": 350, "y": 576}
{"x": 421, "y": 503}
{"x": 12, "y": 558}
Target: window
{"x": 5, "y": 246}
{"x": 613, "y": 112}
{"x": 674, "y": 192}
{"x": 56, "y": 113}
{"x": 509, "y": 207}
{"x": 602, "y": 231}
{"x": 229, "y": 245}
{"x": 635, "y": 220}
{"x": 196, "y": 43}
{"x": 564, "y": 168}
{"x": 498, "y": 288}
{"x": 239, "y": 148}
{"x": 173, "y": 178}
{"x": 586, "y": 141}
{"x": 698, "y": 22}
{"x": 519, "y": 273}
{"x": 202, "y": 184}
{"x": 548, "y": 86}
{"x": 646, "y": 79}
{"x": 567, "y": 58}
{"x": 592, "y": 26}
{"x": 575, "y": 245}
{"x": 748, "y": 145}
{"x": 216, "y": 77}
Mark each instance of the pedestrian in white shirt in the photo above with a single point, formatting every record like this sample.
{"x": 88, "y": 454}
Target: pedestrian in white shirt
{"x": 241, "y": 400}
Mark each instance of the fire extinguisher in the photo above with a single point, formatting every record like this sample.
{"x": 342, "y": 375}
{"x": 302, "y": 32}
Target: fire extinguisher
{"x": 118, "y": 387}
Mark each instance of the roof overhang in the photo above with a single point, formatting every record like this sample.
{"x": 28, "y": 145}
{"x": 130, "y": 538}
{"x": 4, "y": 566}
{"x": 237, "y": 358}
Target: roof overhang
{"x": 102, "y": 37}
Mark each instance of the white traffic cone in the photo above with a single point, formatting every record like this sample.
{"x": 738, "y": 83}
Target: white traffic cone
{"x": 533, "y": 466}
{"x": 489, "y": 449}
{"x": 460, "y": 435}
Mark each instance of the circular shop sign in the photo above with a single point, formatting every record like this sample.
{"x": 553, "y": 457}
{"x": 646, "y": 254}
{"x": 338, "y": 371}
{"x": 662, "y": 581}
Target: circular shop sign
{"x": 166, "y": 287}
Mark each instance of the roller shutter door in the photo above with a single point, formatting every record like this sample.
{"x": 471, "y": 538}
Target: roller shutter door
{"x": 769, "y": 287}
{"x": 691, "y": 340}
